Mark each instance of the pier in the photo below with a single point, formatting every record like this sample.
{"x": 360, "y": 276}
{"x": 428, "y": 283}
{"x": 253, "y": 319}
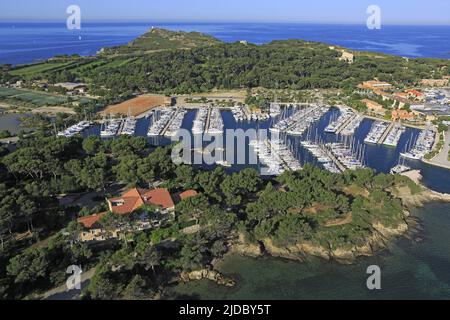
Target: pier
{"x": 386, "y": 133}
{"x": 272, "y": 149}
{"x": 344, "y": 125}
{"x": 335, "y": 160}
{"x": 208, "y": 120}
{"x": 164, "y": 131}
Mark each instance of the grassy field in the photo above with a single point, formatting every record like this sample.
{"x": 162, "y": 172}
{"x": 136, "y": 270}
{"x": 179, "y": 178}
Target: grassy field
{"x": 33, "y": 97}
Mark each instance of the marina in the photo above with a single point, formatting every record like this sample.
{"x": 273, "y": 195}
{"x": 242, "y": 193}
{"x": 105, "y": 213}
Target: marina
{"x": 174, "y": 125}
{"x": 275, "y": 155}
{"x": 376, "y": 132}
{"x": 423, "y": 145}
{"x": 322, "y": 156}
{"x": 75, "y": 129}
{"x": 380, "y": 157}
{"x": 350, "y": 128}
{"x": 215, "y": 122}
{"x": 110, "y": 128}
{"x": 160, "y": 121}
{"x": 347, "y": 157}
{"x": 300, "y": 121}
{"x": 201, "y": 117}
{"x": 394, "y": 135}
{"x": 129, "y": 126}
{"x": 340, "y": 120}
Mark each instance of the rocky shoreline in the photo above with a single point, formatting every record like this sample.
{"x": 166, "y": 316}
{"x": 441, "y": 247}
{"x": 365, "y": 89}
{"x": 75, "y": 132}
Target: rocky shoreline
{"x": 379, "y": 240}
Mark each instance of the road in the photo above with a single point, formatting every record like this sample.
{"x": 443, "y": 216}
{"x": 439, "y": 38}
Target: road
{"x": 62, "y": 293}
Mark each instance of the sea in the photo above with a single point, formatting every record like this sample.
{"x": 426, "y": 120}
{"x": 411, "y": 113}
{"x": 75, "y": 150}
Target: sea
{"x": 409, "y": 269}
{"x": 22, "y": 42}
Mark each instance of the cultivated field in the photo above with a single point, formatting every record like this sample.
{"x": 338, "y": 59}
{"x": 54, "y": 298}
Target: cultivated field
{"x": 34, "y": 97}
{"x": 137, "y": 105}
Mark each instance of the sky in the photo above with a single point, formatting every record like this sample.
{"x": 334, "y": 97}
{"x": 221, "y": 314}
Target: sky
{"x": 412, "y": 12}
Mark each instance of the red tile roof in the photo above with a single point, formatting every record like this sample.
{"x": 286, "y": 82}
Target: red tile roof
{"x": 188, "y": 194}
{"x": 89, "y": 221}
{"x": 159, "y": 197}
{"x": 136, "y": 198}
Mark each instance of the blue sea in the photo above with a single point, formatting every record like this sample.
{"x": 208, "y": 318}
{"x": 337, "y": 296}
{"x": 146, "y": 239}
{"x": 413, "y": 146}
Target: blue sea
{"x": 29, "y": 42}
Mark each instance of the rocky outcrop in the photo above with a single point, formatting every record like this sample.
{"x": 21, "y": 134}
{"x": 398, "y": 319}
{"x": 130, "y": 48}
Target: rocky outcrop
{"x": 242, "y": 247}
{"x": 346, "y": 255}
{"x": 419, "y": 199}
{"x": 211, "y": 275}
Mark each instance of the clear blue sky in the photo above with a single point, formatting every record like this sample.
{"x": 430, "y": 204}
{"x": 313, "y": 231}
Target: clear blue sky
{"x": 322, "y": 11}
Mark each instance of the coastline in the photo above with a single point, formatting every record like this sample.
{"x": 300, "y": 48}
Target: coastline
{"x": 380, "y": 240}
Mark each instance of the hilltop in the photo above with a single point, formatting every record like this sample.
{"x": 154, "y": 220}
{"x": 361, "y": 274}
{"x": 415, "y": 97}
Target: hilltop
{"x": 157, "y": 39}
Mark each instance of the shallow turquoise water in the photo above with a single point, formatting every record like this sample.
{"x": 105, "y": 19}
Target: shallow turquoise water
{"x": 409, "y": 271}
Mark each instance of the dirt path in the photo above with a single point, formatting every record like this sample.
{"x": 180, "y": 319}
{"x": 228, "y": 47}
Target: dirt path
{"x": 62, "y": 293}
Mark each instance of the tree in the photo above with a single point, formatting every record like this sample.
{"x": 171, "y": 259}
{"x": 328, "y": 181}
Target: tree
{"x": 92, "y": 145}
{"x": 151, "y": 258}
{"x": 135, "y": 289}
{"x": 28, "y": 266}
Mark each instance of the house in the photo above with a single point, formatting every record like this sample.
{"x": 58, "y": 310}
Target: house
{"x": 402, "y": 115}
{"x": 135, "y": 198}
{"x": 416, "y": 95}
{"x": 126, "y": 204}
{"x": 347, "y": 57}
{"x": 401, "y": 95}
{"x": 375, "y": 84}
{"x": 374, "y": 106}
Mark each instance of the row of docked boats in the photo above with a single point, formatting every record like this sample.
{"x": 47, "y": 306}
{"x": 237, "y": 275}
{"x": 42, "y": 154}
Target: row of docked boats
{"x": 349, "y": 158}
{"x": 129, "y": 126}
{"x": 215, "y": 122}
{"x": 239, "y": 113}
{"x": 345, "y": 114}
{"x": 75, "y": 129}
{"x": 110, "y": 127}
{"x": 376, "y": 132}
{"x": 394, "y": 136}
{"x": 423, "y": 145}
{"x": 352, "y": 126}
{"x": 300, "y": 121}
{"x": 320, "y": 153}
{"x": 176, "y": 123}
{"x": 159, "y": 121}
{"x": 275, "y": 155}
{"x": 200, "y": 121}
{"x": 274, "y": 110}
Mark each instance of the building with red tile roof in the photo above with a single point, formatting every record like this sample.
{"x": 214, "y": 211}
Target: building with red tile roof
{"x": 136, "y": 198}
{"x": 129, "y": 202}
{"x": 89, "y": 221}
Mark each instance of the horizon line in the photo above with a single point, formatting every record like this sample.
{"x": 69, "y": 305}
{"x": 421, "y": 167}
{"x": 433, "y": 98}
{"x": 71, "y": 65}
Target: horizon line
{"x": 219, "y": 22}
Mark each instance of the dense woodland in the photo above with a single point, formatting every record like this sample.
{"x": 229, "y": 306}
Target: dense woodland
{"x": 285, "y": 64}
{"x": 291, "y": 64}
{"x": 296, "y": 207}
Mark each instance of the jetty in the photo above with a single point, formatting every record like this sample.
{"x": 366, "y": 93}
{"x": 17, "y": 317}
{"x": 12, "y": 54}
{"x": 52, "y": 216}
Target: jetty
{"x": 335, "y": 160}
{"x": 174, "y": 123}
{"x": 386, "y": 133}
{"x": 208, "y": 119}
